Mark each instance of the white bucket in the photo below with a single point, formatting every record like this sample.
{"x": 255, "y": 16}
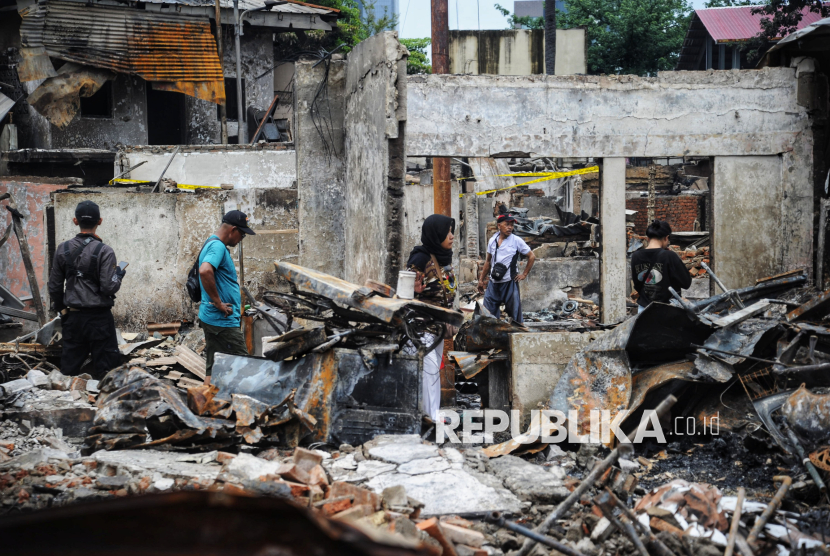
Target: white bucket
{"x": 406, "y": 284}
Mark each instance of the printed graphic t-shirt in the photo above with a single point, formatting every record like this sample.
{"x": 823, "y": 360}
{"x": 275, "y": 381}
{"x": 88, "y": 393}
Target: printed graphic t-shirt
{"x": 220, "y": 259}
{"x": 666, "y": 270}
{"x": 507, "y": 250}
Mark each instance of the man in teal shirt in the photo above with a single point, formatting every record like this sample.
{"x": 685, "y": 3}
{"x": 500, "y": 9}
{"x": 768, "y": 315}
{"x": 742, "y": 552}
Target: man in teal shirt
{"x": 221, "y": 306}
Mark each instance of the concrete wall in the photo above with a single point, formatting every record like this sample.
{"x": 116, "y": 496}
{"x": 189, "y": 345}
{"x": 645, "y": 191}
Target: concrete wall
{"x": 245, "y": 167}
{"x": 127, "y": 125}
{"x": 375, "y": 162}
{"x": 537, "y": 363}
{"x": 257, "y": 57}
{"x": 674, "y": 114}
{"x": 160, "y": 236}
{"x": 321, "y": 167}
{"x": 31, "y": 197}
{"x": 501, "y": 52}
{"x": 549, "y": 276}
{"x": 571, "y": 54}
{"x": 418, "y": 204}
{"x": 748, "y": 196}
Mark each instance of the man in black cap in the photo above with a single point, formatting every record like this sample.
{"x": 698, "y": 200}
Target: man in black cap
{"x": 501, "y": 284}
{"x": 221, "y": 305}
{"x": 92, "y": 276}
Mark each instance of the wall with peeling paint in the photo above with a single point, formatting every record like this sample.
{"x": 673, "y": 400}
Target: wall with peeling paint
{"x": 128, "y": 124}
{"x": 677, "y": 113}
{"x": 272, "y": 165}
{"x": 257, "y": 58}
{"x": 375, "y": 160}
{"x": 160, "y": 235}
{"x": 31, "y": 198}
{"x": 321, "y": 165}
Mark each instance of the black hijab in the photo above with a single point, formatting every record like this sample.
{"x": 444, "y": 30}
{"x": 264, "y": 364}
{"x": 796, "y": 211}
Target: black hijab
{"x": 433, "y": 233}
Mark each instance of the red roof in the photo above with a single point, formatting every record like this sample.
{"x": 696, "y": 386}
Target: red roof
{"x": 739, "y": 24}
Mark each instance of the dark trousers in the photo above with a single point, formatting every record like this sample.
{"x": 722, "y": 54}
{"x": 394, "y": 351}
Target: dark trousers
{"x": 507, "y": 294}
{"x": 222, "y": 340}
{"x": 88, "y": 332}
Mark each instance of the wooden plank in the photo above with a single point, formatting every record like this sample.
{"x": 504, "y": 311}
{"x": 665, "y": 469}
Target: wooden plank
{"x": 17, "y": 313}
{"x": 27, "y": 263}
{"x": 161, "y": 361}
{"x": 742, "y": 315}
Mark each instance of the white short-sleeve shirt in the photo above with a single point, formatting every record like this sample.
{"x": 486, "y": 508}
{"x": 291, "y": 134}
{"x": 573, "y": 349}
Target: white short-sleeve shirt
{"x": 507, "y": 250}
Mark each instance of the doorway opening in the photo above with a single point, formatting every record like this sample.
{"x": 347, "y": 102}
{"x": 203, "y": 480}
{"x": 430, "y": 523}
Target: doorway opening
{"x": 165, "y": 117}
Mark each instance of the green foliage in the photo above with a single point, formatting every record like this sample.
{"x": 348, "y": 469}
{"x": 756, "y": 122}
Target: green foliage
{"x": 418, "y": 61}
{"x": 783, "y": 16}
{"x": 638, "y": 37}
{"x": 525, "y": 21}
{"x": 728, "y": 3}
{"x": 351, "y": 27}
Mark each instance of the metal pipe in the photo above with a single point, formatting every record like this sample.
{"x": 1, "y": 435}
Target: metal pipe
{"x": 790, "y": 281}
{"x": 811, "y": 469}
{"x": 497, "y": 519}
{"x": 169, "y": 162}
{"x": 735, "y": 297}
{"x": 223, "y": 108}
{"x": 735, "y": 354}
{"x": 597, "y": 471}
{"x": 128, "y": 170}
{"x": 819, "y": 367}
{"x": 242, "y": 128}
{"x": 770, "y": 509}
{"x": 653, "y": 541}
{"x": 736, "y": 523}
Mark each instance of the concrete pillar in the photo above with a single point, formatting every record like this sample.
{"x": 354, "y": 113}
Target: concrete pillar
{"x": 736, "y": 57}
{"x": 612, "y": 219}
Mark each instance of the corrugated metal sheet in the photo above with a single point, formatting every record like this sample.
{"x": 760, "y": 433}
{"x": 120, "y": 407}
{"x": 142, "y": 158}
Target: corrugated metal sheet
{"x": 290, "y": 7}
{"x": 739, "y": 23}
{"x": 157, "y": 47}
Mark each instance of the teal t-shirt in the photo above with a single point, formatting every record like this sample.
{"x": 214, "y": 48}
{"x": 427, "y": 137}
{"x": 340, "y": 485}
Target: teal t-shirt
{"x": 217, "y": 255}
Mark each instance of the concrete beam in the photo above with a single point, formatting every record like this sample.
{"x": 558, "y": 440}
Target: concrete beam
{"x": 679, "y": 113}
{"x": 612, "y": 218}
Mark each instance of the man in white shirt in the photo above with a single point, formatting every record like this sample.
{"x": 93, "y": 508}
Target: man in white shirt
{"x": 503, "y": 252}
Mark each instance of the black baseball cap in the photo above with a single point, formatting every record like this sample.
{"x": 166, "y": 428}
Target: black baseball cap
{"x": 505, "y": 218}
{"x": 240, "y": 220}
{"x": 87, "y": 212}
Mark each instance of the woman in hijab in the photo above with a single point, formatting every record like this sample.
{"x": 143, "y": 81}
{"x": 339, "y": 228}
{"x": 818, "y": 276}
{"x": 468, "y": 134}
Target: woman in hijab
{"x": 434, "y": 284}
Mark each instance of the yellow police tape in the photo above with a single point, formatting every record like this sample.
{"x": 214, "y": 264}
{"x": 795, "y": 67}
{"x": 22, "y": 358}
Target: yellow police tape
{"x": 178, "y": 185}
{"x": 543, "y": 176}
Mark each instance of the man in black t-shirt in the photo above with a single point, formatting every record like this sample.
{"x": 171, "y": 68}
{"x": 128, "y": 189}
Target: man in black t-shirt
{"x": 656, "y": 267}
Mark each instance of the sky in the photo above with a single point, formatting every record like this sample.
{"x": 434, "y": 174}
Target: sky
{"x": 473, "y": 14}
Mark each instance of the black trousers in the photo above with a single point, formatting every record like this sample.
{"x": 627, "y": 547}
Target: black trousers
{"x": 85, "y": 333}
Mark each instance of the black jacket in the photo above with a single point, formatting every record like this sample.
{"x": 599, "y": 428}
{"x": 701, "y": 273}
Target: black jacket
{"x": 92, "y": 283}
{"x": 666, "y": 270}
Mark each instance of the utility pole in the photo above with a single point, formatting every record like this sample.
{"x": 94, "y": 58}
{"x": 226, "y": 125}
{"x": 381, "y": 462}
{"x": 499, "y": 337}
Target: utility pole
{"x": 223, "y": 108}
{"x": 550, "y": 37}
{"x": 242, "y": 129}
{"x": 441, "y": 187}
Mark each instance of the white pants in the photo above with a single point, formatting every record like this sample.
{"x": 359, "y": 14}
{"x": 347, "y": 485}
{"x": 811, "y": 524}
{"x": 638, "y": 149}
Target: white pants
{"x": 432, "y": 382}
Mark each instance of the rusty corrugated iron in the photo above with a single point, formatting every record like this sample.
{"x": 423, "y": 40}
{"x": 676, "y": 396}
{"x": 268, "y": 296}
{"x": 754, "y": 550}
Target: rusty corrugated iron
{"x": 176, "y": 52}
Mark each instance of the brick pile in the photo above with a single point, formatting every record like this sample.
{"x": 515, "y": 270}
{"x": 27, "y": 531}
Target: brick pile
{"x": 679, "y": 212}
{"x": 693, "y": 258}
